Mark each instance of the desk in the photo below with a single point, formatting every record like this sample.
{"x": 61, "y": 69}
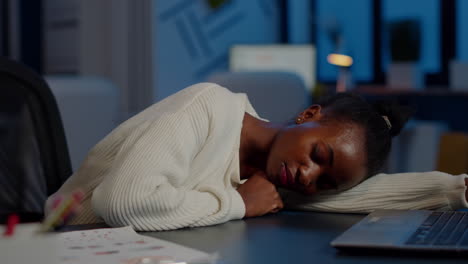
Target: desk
{"x": 286, "y": 237}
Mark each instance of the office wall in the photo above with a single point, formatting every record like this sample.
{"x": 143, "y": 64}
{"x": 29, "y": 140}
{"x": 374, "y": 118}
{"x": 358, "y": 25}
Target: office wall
{"x": 192, "y": 40}
{"x": 115, "y": 42}
{"x": 427, "y": 12}
{"x": 353, "y": 20}
{"x": 61, "y": 25}
{"x": 462, "y": 30}
{"x": 300, "y": 24}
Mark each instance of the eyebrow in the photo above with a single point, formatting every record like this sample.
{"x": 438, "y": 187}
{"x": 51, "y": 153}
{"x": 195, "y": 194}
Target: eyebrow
{"x": 332, "y": 155}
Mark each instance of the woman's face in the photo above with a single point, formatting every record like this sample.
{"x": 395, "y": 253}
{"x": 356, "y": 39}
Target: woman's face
{"x": 313, "y": 157}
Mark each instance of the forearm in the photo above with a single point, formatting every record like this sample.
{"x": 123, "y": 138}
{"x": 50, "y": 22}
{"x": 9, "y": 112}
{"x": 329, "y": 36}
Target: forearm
{"x": 166, "y": 208}
{"x": 431, "y": 190}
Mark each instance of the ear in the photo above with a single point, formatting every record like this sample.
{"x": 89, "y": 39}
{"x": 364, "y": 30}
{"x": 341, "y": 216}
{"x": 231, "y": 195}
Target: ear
{"x": 312, "y": 113}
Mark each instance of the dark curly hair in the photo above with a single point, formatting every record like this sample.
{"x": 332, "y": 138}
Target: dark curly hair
{"x": 350, "y": 107}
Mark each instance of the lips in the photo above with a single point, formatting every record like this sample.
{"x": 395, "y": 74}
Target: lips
{"x": 283, "y": 175}
{"x": 286, "y": 178}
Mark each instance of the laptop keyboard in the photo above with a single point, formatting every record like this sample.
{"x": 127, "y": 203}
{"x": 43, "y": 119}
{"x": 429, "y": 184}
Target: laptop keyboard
{"x": 442, "y": 229}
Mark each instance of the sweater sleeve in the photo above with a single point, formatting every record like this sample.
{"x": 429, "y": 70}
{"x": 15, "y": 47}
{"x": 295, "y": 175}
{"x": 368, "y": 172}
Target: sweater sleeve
{"x": 151, "y": 185}
{"x": 408, "y": 191}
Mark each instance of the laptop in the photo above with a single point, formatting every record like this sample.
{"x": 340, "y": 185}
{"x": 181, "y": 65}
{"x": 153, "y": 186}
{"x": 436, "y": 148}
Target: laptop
{"x": 414, "y": 230}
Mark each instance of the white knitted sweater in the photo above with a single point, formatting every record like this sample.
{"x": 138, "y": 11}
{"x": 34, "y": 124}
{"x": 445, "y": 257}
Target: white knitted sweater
{"x": 176, "y": 165}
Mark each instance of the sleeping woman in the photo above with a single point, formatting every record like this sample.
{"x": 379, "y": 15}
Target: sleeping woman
{"x": 203, "y": 156}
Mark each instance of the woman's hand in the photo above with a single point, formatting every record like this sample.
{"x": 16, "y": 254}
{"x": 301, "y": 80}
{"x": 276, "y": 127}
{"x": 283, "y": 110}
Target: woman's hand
{"x": 260, "y": 196}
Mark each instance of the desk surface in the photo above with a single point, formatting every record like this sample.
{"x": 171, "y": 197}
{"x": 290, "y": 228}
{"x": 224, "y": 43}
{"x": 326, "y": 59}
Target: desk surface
{"x": 286, "y": 237}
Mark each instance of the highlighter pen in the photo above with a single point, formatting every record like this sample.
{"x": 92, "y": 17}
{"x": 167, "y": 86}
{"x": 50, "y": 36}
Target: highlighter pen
{"x": 12, "y": 221}
{"x": 63, "y": 210}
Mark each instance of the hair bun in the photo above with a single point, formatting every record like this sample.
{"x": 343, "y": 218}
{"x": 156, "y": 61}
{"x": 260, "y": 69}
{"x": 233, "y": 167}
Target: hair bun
{"x": 397, "y": 114}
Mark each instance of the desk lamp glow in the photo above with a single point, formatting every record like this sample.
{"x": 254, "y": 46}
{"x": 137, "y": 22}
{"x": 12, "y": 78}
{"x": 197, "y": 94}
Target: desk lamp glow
{"x": 344, "y": 62}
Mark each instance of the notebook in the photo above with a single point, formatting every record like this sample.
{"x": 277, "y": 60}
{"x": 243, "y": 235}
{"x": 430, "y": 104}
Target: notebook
{"x": 414, "y": 230}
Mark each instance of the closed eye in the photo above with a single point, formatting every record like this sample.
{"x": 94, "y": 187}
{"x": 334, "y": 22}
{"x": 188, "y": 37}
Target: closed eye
{"x": 323, "y": 154}
{"x": 317, "y": 155}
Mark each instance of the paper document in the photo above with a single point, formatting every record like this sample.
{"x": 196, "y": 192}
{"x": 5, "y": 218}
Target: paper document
{"x": 123, "y": 245}
{"x": 104, "y": 246}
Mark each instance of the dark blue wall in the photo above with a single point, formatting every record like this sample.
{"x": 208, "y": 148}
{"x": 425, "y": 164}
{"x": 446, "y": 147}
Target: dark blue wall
{"x": 193, "y": 40}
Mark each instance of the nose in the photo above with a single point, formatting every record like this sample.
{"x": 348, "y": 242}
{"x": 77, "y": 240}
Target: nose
{"x": 308, "y": 174}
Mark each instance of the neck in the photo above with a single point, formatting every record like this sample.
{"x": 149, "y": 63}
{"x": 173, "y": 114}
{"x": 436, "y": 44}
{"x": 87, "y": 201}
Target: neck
{"x": 257, "y": 137}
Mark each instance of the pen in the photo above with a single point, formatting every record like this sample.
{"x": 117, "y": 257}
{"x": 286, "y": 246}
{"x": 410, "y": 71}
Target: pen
{"x": 61, "y": 212}
{"x": 12, "y": 221}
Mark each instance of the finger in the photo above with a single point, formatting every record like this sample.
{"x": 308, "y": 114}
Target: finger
{"x": 273, "y": 206}
{"x": 56, "y": 201}
{"x": 279, "y": 203}
{"x": 275, "y": 209}
{"x": 277, "y": 206}
{"x": 271, "y": 189}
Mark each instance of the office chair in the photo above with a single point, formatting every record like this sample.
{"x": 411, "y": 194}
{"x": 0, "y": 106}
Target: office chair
{"x": 34, "y": 159}
{"x": 276, "y": 95}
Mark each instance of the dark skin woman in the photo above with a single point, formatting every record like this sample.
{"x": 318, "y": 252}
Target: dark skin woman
{"x": 202, "y": 157}
{"x": 332, "y": 146}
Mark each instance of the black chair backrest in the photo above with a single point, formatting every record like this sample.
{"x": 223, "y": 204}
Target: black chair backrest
{"x": 34, "y": 158}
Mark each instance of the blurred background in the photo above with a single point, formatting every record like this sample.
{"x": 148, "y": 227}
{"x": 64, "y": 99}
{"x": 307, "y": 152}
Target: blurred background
{"x": 106, "y": 60}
